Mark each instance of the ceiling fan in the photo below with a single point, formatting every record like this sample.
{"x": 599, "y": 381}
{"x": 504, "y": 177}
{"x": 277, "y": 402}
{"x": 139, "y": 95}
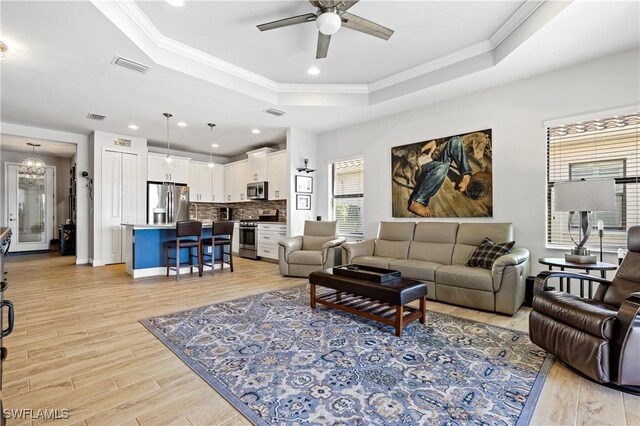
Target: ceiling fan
{"x": 330, "y": 16}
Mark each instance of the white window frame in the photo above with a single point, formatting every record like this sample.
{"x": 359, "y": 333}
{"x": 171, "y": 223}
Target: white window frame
{"x": 331, "y": 215}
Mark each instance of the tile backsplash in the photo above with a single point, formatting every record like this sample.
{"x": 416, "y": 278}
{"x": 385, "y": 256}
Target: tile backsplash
{"x": 207, "y": 212}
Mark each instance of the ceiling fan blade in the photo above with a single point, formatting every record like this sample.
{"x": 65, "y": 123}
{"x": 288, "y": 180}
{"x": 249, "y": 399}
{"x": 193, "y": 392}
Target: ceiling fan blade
{"x": 323, "y": 45}
{"x": 363, "y": 25}
{"x": 294, "y": 20}
{"x": 316, "y": 3}
{"x": 347, "y": 4}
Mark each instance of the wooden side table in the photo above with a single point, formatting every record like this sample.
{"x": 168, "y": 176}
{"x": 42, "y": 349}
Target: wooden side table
{"x": 563, "y": 264}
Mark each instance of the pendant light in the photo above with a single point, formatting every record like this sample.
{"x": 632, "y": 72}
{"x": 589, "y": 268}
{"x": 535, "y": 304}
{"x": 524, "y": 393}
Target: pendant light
{"x": 32, "y": 167}
{"x": 211, "y": 126}
{"x": 168, "y": 158}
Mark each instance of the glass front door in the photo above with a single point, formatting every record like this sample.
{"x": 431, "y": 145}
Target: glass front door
{"x": 30, "y": 209}
{"x": 32, "y": 200}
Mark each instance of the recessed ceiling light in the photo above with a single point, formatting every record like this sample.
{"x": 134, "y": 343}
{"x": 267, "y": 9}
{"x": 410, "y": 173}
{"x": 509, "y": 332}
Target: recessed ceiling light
{"x": 256, "y": 131}
{"x": 215, "y": 145}
{"x": 133, "y": 127}
{"x": 313, "y": 71}
{"x": 182, "y": 124}
{"x": 175, "y": 3}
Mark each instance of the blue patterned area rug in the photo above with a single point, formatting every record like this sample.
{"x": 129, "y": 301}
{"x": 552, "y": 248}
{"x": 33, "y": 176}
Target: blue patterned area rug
{"x": 280, "y": 362}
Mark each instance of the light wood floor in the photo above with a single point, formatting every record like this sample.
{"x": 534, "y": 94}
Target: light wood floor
{"x": 78, "y": 345}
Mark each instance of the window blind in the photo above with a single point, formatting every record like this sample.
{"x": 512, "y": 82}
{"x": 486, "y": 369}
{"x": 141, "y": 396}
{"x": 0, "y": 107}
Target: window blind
{"x": 596, "y": 149}
{"x": 347, "y": 196}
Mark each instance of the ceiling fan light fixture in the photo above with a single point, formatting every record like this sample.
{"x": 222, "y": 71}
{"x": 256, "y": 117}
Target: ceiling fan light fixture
{"x": 328, "y": 23}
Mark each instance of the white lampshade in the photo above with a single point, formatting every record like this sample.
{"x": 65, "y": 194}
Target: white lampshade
{"x": 597, "y": 195}
{"x": 328, "y": 23}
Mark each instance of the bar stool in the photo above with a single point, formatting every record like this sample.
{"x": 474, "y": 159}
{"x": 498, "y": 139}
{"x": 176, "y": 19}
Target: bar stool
{"x": 221, "y": 236}
{"x": 186, "y": 231}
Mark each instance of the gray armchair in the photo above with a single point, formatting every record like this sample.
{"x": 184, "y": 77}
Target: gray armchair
{"x": 319, "y": 248}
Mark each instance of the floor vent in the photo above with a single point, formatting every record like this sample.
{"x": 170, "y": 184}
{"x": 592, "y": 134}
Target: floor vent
{"x": 128, "y": 63}
{"x": 98, "y": 117}
{"x": 274, "y": 111}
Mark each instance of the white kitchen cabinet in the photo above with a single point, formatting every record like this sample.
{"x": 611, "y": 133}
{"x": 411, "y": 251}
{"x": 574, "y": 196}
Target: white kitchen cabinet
{"x": 158, "y": 170}
{"x": 268, "y": 236}
{"x": 242, "y": 171}
{"x": 230, "y": 182}
{"x": 200, "y": 182}
{"x": 278, "y": 175}
{"x": 257, "y": 165}
{"x": 217, "y": 185}
{"x": 235, "y": 181}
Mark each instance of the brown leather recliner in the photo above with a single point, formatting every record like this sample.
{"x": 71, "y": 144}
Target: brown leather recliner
{"x": 598, "y": 337}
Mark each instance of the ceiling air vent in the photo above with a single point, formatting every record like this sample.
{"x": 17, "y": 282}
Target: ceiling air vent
{"x": 98, "y": 117}
{"x": 128, "y": 63}
{"x": 274, "y": 111}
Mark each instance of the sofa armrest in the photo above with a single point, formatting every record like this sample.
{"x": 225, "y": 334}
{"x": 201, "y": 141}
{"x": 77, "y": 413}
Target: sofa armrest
{"x": 357, "y": 249}
{"x": 290, "y": 245}
{"x": 624, "y": 354}
{"x": 518, "y": 257}
{"x": 540, "y": 283}
{"x": 334, "y": 243}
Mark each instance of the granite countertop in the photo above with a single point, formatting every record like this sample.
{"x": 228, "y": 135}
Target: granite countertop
{"x": 164, "y": 226}
{"x": 173, "y": 225}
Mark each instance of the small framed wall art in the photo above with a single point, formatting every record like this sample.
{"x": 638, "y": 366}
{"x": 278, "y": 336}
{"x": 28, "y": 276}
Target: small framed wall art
{"x": 303, "y": 202}
{"x": 304, "y": 184}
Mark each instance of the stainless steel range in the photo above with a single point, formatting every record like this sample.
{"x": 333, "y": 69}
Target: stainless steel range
{"x": 248, "y": 231}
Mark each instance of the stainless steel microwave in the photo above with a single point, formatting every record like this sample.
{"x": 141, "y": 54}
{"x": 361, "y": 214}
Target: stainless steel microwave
{"x": 257, "y": 191}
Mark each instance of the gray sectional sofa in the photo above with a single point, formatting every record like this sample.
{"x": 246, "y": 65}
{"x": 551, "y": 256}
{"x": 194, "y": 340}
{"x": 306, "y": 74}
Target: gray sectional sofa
{"x": 436, "y": 252}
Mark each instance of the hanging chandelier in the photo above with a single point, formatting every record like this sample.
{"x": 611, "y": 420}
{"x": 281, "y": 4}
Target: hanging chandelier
{"x": 33, "y": 167}
{"x": 168, "y": 158}
{"x": 210, "y": 164}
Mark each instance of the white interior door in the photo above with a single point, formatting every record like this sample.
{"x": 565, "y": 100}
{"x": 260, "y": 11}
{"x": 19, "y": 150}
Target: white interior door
{"x": 129, "y": 196}
{"x": 30, "y": 208}
{"x": 119, "y": 201}
{"x": 111, "y": 207}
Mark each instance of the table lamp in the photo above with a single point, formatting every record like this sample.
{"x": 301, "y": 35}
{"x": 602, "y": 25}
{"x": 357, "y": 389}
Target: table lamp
{"x": 584, "y": 197}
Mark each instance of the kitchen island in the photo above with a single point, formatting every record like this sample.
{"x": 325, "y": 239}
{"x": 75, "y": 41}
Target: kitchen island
{"x": 144, "y": 249}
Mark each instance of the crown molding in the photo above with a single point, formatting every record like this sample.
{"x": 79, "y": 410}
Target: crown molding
{"x": 324, "y": 88}
{"x": 137, "y": 26}
{"x": 514, "y": 21}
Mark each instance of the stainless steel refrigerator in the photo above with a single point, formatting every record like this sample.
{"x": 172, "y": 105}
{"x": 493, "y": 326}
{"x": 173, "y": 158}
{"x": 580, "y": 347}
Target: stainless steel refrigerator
{"x": 167, "y": 202}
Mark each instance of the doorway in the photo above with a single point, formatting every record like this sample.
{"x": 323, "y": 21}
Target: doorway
{"x": 30, "y": 208}
{"x": 39, "y": 211}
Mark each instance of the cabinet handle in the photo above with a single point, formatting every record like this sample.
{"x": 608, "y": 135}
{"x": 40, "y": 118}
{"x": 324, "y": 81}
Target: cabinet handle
{"x": 7, "y": 331}
{"x": 255, "y": 176}
{"x": 213, "y": 197}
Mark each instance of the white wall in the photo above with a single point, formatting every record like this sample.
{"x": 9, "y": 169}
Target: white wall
{"x": 300, "y": 145}
{"x": 100, "y": 142}
{"x": 516, "y": 112}
{"x": 82, "y": 160}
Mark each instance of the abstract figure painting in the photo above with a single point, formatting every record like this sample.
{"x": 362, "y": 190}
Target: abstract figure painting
{"x": 444, "y": 177}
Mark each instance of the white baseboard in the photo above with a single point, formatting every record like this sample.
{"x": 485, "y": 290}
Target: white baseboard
{"x": 82, "y": 261}
{"x": 97, "y": 262}
{"x": 154, "y": 272}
